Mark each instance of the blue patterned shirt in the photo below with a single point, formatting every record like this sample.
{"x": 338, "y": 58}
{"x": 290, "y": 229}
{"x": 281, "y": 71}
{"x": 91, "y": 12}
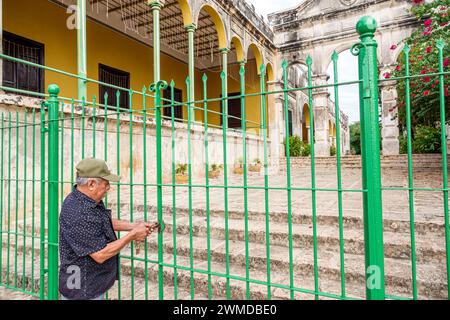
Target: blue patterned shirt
{"x": 85, "y": 228}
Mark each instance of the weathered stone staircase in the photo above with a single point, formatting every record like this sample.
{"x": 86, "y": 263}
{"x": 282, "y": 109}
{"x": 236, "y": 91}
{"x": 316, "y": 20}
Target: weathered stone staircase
{"x": 431, "y": 270}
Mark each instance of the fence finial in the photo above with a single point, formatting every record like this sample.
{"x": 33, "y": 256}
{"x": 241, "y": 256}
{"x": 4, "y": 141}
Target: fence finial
{"x": 366, "y": 26}
{"x": 53, "y": 90}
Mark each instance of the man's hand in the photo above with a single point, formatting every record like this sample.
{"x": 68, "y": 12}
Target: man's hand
{"x": 150, "y": 226}
{"x": 140, "y": 232}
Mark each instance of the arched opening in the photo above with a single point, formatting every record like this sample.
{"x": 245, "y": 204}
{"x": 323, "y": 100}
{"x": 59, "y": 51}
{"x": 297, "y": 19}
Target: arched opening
{"x": 270, "y": 73}
{"x": 257, "y": 56}
{"x": 210, "y": 38}
{"x": 306, "y": 124}
{"x": 253, "y": 85}
{"x": 218, "y": 23}
{"x": 236, "y": 45}
{"x": 186, "y": 12}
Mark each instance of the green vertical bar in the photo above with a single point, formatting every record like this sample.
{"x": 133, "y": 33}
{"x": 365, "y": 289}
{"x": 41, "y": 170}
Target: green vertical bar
{"x": 337, "y": 111}
{"x": 174, "y": 201}
{"x": 105, "y": 144}
{"x": 157, "y": 87}
{"x": 406, "y": 51}
{"x": 370, "y": 145}
{"x": 119, "y": 285}
{"x": 25, "y": 138}
{"x": 440, "y": 46}
{"x": 191, "y": 243}
{"x": 288, "y": 176}
{"x": 224, "y": 99}
{"x": 1, "y": 197}
{"x": 33, "y": 190}
{"x": 208, "y": 189}
{"x": 81, "y": 48}
{"x": 94, "y": 112}
{"x": 72, "y": 142}
{"x": 244, "y": 152}
{"x": 42, "y": 271}
{"x": 156, "y": 7}
{"x": 130, "y": 95}
{"x": 61, "y": 168}
{"x": 83, "y": 112}
{"x": 266, "y": 175}
{"x": 9, "y": 201}
{"x": 16, "y": 218}
{"x": 53, "y": 135}
{"x": 313, "y": 176}
{"x": 191, "y": 41}
{"x": 144, "y": 143}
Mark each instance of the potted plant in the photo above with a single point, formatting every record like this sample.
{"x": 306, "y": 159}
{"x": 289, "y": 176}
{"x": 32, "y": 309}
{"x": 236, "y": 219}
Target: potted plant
{"x": 239, "y": 166}
{"x": 181, "y": 175}
{"x": 214, "y": 171}
{"x": 255, "y": 166}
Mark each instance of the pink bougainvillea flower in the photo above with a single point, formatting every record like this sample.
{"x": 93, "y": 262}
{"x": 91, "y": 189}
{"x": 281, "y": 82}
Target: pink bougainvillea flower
{"x": 423, "y": 71}
{"x": 413, "y": 95}
{"x": 446, "y": 62}
{"x": 420, "y": 58}
{"x": 393, "y": 47}
{"x": 444, "y": 24}
{"x": 446, "y": 91}
{"x": 398, "y": 68}
{"x": 386, "y": 75}
{"x": 429, "y": 49}
{"x": 427, "y": 79}
{"x": 427, "y": 33}
{"x": 426, "y": 93}
{"x": 428, "y": 23}
{"x": 418, "y": 1}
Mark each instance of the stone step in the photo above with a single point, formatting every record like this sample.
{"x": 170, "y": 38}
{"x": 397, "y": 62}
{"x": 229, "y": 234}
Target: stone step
{"x": 419, "y": 161}
{"x": 323, "y": 218}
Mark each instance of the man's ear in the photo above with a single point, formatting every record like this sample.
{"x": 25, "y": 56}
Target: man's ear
{"x": 91, "y": 184}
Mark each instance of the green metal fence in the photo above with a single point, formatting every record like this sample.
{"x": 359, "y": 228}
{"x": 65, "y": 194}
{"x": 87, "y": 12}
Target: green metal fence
{"x": 41, "y": 147}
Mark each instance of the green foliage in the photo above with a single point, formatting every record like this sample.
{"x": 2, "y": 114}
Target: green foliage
{"x": 403, "y": 144}
{"x": 355, "y": 138}
{"x": 423, "y": 60}
{"x": 216, "y": 167}
{"x": 181, "y": 168}
{"x": 427, "y": 140}
{"x": 332, "y": 151}
{"x": 297, "y": 147}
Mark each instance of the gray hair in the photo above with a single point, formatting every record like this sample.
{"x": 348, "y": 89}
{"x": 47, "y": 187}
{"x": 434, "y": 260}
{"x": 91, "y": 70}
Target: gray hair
{"x": 85, "y": 181}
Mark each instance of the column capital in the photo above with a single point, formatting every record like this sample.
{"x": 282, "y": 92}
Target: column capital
{"x": 191, "y": 27}
{"x": 242, "y": 63}
{"x": 224, "y": 50}
{"x": 155, "y": 4}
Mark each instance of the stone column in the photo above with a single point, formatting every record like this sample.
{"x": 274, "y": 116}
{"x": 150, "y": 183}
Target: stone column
{"x": 276, "y": 124}
{"x": 320, "y": 104}
{"x": 389, "y": 120}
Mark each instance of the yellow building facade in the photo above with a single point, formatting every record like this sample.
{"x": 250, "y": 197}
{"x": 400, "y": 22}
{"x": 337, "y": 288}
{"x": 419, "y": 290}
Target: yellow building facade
{"x": 117, "y": 43}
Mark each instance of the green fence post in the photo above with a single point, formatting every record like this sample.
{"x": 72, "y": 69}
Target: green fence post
{"x": 53, "y": 186}
{"x": 370, "y": 152}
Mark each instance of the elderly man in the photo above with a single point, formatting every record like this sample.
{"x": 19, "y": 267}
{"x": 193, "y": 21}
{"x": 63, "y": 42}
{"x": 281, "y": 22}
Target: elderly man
{"x": 88, "y": 245}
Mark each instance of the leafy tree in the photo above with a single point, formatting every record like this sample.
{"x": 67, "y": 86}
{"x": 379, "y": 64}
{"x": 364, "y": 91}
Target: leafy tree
{"x": 355, "y": 138}
{"x": 423, "y": 61}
